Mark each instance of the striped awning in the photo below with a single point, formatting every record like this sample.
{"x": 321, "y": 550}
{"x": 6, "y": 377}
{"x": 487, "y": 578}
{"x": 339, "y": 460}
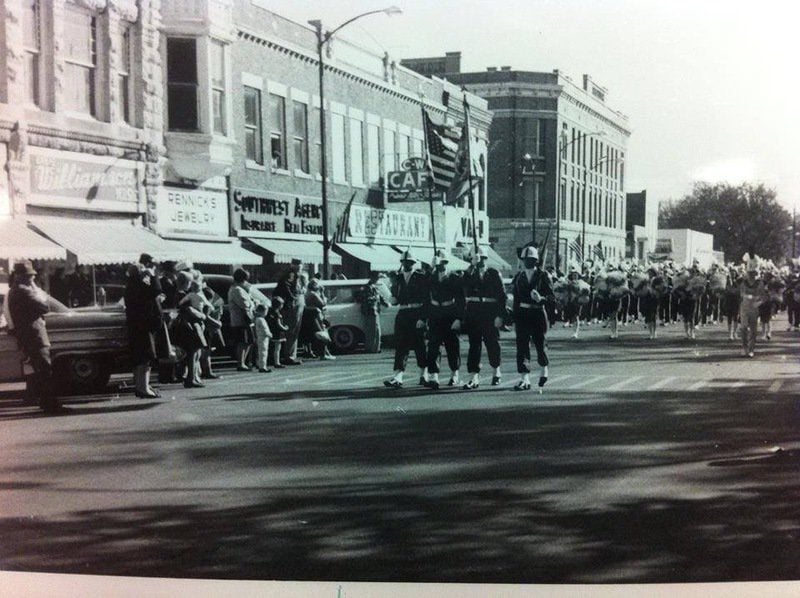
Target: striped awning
{"x": 18, "y": 242}
{"x": 285, "y": 250}
{"x": 381, "y": 258}
{"x": 223, "y": 253}
{"x": 106, "y": 241}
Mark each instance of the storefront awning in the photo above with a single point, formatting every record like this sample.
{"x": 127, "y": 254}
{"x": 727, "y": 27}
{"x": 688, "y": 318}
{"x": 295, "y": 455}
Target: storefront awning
{"x": 225, "y": 253}
{"x": 285, "y": 250}
{"x": 18, "y": 242}
{"x": 379, "y": 257}
{"x": 496, "y": 261}
{"x": 106, "y": 241}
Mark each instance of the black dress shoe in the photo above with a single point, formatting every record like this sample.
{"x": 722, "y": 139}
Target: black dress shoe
{"x": 210, "y": 376}
{"x": 495, "y": 380}
{"x": 293, "y": 362}
{"x": 393, "y": 383}
{"x": 542, "y": 381}
{"x": 433, "y": 384}
{"x": 423, "y": 381}
{"x": 193, "y": 385}
{"x": 146, "y": 395}
{"x": 522, "y": 385}
{"x": 243, "y": 369}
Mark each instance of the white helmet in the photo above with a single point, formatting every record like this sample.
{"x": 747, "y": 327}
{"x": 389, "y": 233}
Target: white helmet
{"x": 529, "y": 252}
{"x": 479, "y": 255}
{"x": 440, "y": 257}
{"x": 407, "y": 257}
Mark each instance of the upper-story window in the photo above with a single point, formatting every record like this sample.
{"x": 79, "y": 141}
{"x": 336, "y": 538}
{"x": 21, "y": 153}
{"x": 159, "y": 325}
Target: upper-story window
{"x": 532, "y": 141}
{"x": 182, "y": 85}
{"x": 80, "y": 60}
{"x": 218, "y": 87}
{"x": 32, "y": 45}
{"x": 277, "y": 134}
{"x": 252, "y": 124}
{"x": 124, "y": 110}
{"x": 300, "y": 135}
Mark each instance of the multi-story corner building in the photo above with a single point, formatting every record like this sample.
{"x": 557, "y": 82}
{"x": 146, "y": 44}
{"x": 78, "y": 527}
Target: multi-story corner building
{"x": 190, "y": 130}
{"x": 556, "y": 160}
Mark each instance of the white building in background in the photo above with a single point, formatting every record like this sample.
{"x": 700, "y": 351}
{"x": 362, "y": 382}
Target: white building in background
{"x": 683, "y": 246}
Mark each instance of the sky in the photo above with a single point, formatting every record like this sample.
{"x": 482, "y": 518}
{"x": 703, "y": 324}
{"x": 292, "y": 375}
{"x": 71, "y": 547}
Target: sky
{"x": 711, "y": 88}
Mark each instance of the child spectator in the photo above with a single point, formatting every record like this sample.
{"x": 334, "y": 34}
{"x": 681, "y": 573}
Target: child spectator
{"x": 278, "y": 329}
{"x": 263, "y": 335}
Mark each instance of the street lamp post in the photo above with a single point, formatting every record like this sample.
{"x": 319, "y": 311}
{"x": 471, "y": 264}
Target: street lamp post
{"x": 322, "y": 39}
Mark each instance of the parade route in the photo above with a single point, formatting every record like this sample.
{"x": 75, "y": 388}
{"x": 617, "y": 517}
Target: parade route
{"x": 672, "y": 460}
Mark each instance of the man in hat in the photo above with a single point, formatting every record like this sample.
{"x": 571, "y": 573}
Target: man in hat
{"x": 445, "y": 311}
{"x": 410, "y": 287}
{"x": 531, "y": 289}
{"x": 484, "y": 313}
{"x": 291, "y": 289}
{"x": 371, "y": 301}
{"x": 27, "y": 305}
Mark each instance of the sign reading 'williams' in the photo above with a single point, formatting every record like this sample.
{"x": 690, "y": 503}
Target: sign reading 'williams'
{"x": 371, "y": 224}
{"x": 270, "y": 212}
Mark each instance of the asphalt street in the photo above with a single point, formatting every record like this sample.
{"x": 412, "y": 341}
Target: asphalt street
{"x": 642, "y": 461}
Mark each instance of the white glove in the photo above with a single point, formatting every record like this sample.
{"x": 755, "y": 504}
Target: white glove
{"x": 498, "y": 322}
{"x": 456, "y": 325}
{"x": 420, "y": 324}
{"x": 536, "y": 296}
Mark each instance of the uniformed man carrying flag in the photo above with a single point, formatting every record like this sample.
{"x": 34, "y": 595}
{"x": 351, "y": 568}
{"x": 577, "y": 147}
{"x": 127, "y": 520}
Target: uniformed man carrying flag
{"x": 531, "y": 287}
{"x": 485, "y": 312}
{"x": 445, "y": 311}
{"x": 410, "y": 287}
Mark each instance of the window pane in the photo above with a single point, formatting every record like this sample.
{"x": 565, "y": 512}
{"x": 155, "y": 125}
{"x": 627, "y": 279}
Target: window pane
{"x": 389, "y": 156}
{"x": 217, "y": 64}
{"x": 79, "y": 89}
{"x": 356, "y": 151}
{"x": 278, "y": 155}
{"x": 251, "y": 106}
{"x": 300, "y": 142}
{"x": 182, "y": 103}
{"x": 338, "y": 147}
{"x": 30, "y": 24}
{"x": 78, "y": 39}
{"x": 317, "y": 141}
{"x": 373, "y": 153}
{"x": 218, "y": 102}
{"x": 32, "y": 77}
{"x": 278, "y": 130}
{"x": 250, "y": 144}
{"x": 124, "y": 98}
{"x": 402, "y": 142}
{"x": 181, "y": 60}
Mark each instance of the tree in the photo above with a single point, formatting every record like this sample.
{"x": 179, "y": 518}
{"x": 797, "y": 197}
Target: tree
{"x": 744, "y": 218}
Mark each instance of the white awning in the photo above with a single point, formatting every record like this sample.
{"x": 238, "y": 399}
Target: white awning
{"x": 225, "y": 253}
{"x": 18, "y": 242}
{"x": 379, "y": 257}
{"x": 425, "y": 255}
{"x": 496, "y": 261}
{"x": 106, "y": 241}
{"x": 285, "y": 250}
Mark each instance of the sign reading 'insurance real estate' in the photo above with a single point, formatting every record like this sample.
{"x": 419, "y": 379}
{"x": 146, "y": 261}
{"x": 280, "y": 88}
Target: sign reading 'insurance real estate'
{"x": 272, "y": 212}
{"x": 392, "y": 226}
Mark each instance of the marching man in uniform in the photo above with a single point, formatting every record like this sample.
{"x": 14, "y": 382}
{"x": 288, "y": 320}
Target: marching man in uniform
{"x": 485, "y": 311}
{"x": 445, "y": 311}
{"x": 531, "y": 287}
{"x": 410, "y": 287}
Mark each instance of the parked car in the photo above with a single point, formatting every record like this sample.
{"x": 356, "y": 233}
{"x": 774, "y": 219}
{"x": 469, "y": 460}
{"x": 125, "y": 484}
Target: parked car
{"x": 87, "y": 346}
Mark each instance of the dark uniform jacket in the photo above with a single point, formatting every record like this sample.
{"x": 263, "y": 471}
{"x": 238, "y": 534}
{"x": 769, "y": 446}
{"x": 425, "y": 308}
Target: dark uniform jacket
{"x": 485, "y": 297}
{"x": 142, "y": 311}
{"x": 289, "y": 290}
{"x": 27, "y": 306}
{"x": 446, "y": 296}
{"x": 522, "y": 287}
{"x": 413, "y": 292}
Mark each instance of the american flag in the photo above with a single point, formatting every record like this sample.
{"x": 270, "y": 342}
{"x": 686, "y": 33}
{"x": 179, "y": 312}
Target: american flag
{"x": 340, "y": 234}
{"x": 575, "y": 246}
{"x": 442, "y": 147}
{"x": 598, "y": 251}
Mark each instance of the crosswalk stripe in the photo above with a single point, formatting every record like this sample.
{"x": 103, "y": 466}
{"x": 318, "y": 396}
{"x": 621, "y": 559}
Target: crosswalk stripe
{"x": 737, "y": 385}
{"x": 623, "y": 383}
{"x": 587, "y": 382}
{"x": 661, "y": 383}
{"x": 776, "y": 386}
{"x": 698, "y": 385}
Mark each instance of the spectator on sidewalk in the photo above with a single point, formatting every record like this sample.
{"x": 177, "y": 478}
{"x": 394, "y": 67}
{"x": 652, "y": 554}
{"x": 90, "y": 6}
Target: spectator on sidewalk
{"x": 241, "y": 310}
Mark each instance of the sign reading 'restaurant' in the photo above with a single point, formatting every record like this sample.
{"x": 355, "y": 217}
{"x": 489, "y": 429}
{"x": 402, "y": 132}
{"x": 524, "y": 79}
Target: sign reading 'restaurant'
{"x": 194, "y": 212}
{"x": 269, "y": 212}
{"x": 372, "y": 224}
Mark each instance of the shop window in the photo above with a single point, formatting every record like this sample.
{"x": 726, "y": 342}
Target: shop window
{"x": 300, "y": 136}
{"x": 356, "y": 152}
{"x": 252, "y": 125}
{"x": 80, "y": 60}
{"x": 124, "y": 74}
{"x": 32, "y": 40}
{"x": 182, "y": 87}
{"x": 277, "y": 134}
{"x": 218, "y": 87}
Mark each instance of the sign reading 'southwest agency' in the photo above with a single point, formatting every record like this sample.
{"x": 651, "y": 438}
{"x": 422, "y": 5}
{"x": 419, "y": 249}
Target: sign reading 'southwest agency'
{"x": 272, "y": 212}
{"x": 195, "y": 212}
{"x": 70, "y": 180}
{"x": 392, "y": 226}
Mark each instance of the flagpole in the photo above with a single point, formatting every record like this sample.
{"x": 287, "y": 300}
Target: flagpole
{"x": 429, "y": 168}
{"x": 469, "y": 175}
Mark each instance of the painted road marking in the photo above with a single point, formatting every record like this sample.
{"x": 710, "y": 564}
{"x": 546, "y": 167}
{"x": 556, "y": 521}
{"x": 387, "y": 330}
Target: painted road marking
{"x": 698, "y": 385}
{"x": 661, "y": 383}
{"x": 737, "y": 385}
{"x": 587, "y": 382}
{"x": 776, "y": 386}
{"x": 623, "y": 383}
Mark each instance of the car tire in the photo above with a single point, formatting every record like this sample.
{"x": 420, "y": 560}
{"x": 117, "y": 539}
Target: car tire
{"x": 82, "y": 374}
{"x": 345, "y": 339}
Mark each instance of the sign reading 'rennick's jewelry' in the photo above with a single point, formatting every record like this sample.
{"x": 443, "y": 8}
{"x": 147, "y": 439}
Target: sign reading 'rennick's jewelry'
{"x": 192, "y": 212}
{"x": 390, "y": 226}
{"x": 69, "y": 180}
{"x": 272, "y": 212}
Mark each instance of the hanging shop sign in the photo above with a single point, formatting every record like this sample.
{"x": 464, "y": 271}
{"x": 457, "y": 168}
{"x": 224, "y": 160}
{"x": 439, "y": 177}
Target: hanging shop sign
{"x": 272, "y": 212}
{"x": 411, "y": 183}
{"x": 374, "y": 225}
{"x": 458, "y": 223}
{"x": 192, "y": 213}
{"x": 80, "y": 181}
